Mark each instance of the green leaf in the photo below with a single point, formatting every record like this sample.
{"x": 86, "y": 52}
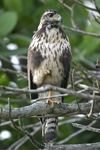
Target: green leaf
{"x": 90, "y": 44}
{"x": 7, "y": 22}
{"x": 1, "y": 11}
{"x": 15, "y": 5}
{"x": 4, "y": 80}
{"x": 93, "y": 57}
{"x": 19, "y": 51}
{"x": 19, "y": 39}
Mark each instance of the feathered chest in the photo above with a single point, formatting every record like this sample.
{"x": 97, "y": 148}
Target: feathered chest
{"x": 49, "y": 42}
{"x": 48, "y": 46}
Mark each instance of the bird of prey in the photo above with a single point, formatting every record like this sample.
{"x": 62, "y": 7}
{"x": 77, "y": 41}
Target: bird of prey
{"x": 49, "y": 62}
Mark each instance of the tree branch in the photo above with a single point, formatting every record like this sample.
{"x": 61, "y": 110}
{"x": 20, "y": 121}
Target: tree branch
{"x": 93, "y": 9}
{"x": 88, "y": 146}
{"x": 52, "y": 88}
{"x": 39, "y": 108}
{"x": 8, "y": 61}
{"x": 75, "y": 134}
{"x": 86, "y": 127}
{"x": 15, "y": 72}
{"x": 81, "y": 31}
{"x": 25, "y": 132}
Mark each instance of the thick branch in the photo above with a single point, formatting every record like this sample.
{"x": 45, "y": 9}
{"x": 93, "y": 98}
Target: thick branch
{"x": 88, "y": 146}
{"x": 39, "y": 108}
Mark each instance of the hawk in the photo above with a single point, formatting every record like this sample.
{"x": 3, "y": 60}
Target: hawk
{"x": 49, "y": 62}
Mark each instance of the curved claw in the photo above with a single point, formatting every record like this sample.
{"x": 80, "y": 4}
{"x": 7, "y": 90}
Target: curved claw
{"x": 52, "y": 102}
{"x": 48, "y": 73}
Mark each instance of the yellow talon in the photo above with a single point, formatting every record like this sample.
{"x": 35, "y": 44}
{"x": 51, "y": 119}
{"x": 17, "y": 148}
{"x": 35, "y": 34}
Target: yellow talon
{"x": 48, "y": 73}
{"x": 51, "y": 101}
{"x": 57, "y": 102}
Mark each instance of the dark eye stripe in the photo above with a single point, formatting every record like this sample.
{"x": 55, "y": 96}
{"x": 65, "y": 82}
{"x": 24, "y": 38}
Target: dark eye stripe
{"x": 50, "y": 14}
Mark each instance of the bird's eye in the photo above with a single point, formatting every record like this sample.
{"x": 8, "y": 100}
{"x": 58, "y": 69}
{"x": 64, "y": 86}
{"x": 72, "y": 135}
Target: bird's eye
{"x": 50, "y": 14}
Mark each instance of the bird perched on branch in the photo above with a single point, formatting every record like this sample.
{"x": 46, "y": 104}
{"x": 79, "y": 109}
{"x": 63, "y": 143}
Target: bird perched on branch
{"x": 49, "y": 62}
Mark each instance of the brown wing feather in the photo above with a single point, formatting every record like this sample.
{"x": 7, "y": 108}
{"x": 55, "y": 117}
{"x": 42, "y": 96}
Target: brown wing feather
{"x": 65, "y": 59}
{"x": 34, "y": 60}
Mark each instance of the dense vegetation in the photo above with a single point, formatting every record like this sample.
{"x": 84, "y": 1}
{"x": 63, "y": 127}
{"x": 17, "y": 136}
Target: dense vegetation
{"x": 18, "y": 21}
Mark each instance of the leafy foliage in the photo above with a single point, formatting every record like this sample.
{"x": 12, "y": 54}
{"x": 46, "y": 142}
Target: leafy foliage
{"x": 18, "y": 20}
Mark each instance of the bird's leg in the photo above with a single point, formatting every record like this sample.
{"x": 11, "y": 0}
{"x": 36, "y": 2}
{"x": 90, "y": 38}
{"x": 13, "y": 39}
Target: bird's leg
{"x": 51, "y": 101}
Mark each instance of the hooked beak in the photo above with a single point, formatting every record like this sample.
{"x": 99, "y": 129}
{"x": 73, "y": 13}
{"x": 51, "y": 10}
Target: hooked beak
{"x": 57, "y": 18}
{"x": 60, "y": 19}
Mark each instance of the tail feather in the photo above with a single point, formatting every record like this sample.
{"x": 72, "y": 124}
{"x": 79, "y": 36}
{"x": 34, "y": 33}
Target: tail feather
{"x": 49, "y": 130}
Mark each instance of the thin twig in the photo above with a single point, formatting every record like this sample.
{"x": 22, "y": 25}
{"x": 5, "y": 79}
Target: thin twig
{"x": 71, "y": 136}
{"x": 74, "y": 89}
{"x": 7, "y": 60}
{"x": 7, "y": 122}
{"x": 69, "y": 121}
{"x": 53, "y": 88}
{"x": 76, "y": 82}
{"x": 82, "y": 58}
{"x": 98, "y": 9}
{"x": 92, "y": 105}
{"x": 93, "y": 9}
{"x": 23, "y": 139}
{"x": 34, "y": 142}
{"x": 86, "y": 127}
{"x": 15, "y": 72}
{"x": 54, "y": 96}
{"x": 81, "y": 31}
{"x": 88, "y": 87}
{"x": 75, "y": 133}
{"x": 96, "y": 19}
{"x": 85, "y": 70}
{"x": 74, "y": 23}
{"x": 16, "y": 100}
{"x": 22, "y": 57}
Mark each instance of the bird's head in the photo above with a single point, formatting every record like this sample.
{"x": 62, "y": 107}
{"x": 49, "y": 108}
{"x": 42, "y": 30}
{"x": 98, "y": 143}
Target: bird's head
{"x": 50, "y": 17}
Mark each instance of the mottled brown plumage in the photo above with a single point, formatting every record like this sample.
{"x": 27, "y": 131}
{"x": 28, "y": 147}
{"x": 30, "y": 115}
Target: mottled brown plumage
{"x": 49, "y": 62}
